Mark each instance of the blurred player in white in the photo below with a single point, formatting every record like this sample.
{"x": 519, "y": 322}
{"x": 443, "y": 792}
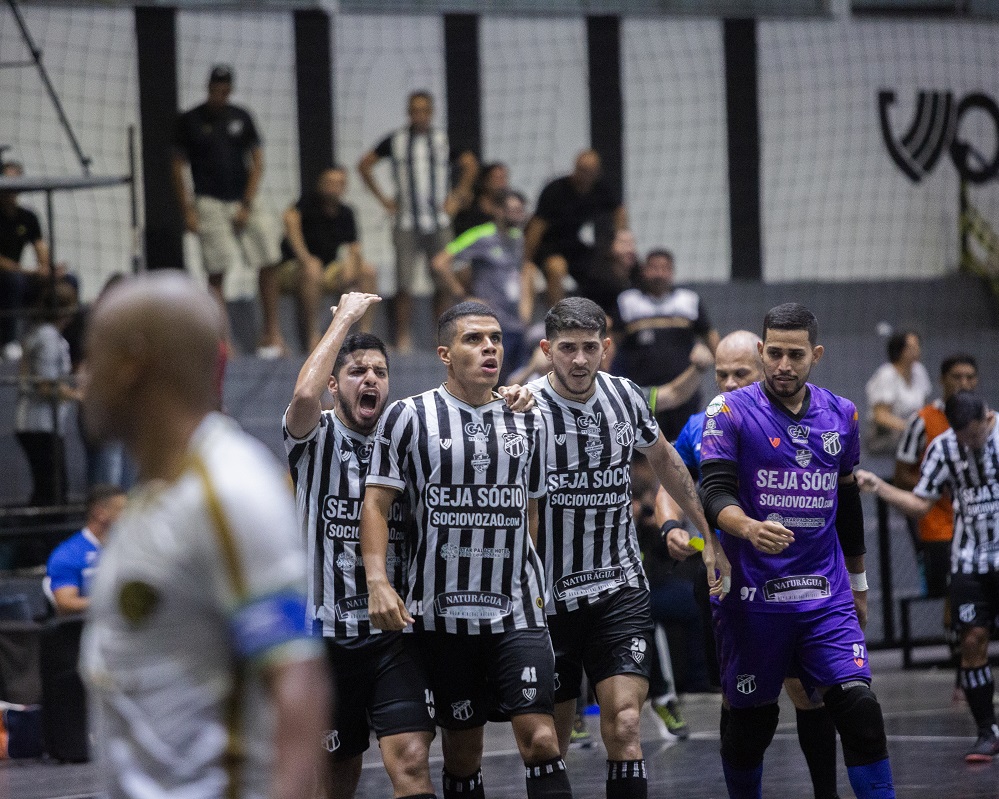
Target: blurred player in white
{"x": 203, "y": 678}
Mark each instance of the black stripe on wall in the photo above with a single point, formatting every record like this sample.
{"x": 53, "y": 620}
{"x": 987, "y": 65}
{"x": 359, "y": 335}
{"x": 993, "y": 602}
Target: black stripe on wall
{"x": 603, "y": 36}
{"x": 314, "y": 92}
{"x": 742, "y": 107}
{"x": 464, "y": 96}
{"x": 156, "y": 44}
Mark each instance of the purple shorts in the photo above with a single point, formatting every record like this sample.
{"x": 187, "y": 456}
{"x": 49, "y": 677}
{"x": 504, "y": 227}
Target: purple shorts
{"x": 756, "y": 651}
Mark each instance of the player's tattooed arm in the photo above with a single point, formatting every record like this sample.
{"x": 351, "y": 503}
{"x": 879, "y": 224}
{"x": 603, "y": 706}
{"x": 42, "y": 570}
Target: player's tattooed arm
{"x": 314, "y": 377}
{"x": 675, "y": 478}
{"x": 386, "y": 609}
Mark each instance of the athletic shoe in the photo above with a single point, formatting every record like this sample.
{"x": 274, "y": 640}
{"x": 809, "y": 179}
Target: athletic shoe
{"x": 985, "y": 748}
{"x": 670, "y": 715}
{"x": 659, "y": 722}
{"x": 579, "y": 738}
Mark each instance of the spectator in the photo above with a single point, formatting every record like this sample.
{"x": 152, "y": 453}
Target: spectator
{"x": 491, "y": 265}
{"x": 487, "y": 195}
{"x": 613, "y": 265}
{"x": 44, "y": 395}
{"x": 573, "y": 211}
{"x": 72, "y": 564}
{"x": 895, "y": 391}
{"x": 19, "y": 227}
{"x": 316, "y": 227}
{"x": 220, "y": 144}
{"x": 662, "y": 324}
{"x": 420, "y": 156}
{"x": 936, "y": 529}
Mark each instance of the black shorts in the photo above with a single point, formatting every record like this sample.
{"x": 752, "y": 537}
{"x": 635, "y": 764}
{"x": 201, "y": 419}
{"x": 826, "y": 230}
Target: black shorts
{"x": 935, "y": 561}
{"x": 379, "y": 685}
{"x": 476, "y": 678}
{"x": 974, "y": 600}
{"x": 608, "y": 638}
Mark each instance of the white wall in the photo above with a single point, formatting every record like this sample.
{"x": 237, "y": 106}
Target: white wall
{"x": 835, "y": 206}
{"x": 90, "y": 57}
{"x": 676, "y": 165}
{"x": 535, "y": 104}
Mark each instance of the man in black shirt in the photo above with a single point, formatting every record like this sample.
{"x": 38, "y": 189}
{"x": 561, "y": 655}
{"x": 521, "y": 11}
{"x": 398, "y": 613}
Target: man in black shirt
{"x": 662, "y": 323}
{"x": 573, "y": 212}
{"x": 220, "y": 143}
{"x": 19, "y": 227}
{"x": 491, "y": 185}
{"x": 316, "y": 227}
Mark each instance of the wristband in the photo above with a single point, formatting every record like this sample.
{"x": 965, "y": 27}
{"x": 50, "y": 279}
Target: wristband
{"x": 858, "y": 582}
{"x": 668, "y": 525}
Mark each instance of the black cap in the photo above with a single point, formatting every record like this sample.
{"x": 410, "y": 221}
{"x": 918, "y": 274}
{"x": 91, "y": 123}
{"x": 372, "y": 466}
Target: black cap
{"x": 221, "y": 73}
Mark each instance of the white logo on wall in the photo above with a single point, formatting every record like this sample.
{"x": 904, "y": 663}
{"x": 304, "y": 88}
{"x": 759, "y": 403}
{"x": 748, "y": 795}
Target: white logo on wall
{"x": 830, "y": 443}
{"x": 966, "y": 613}
{"x": 462, "y": 709}
{"x": 745, "y": 683}
{"x": 331, "y": 740}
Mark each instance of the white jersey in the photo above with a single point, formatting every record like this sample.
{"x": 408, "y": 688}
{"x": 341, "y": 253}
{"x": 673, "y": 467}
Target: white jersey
{"x": 973, "y": 479}
{"x": 202, "y": 578}
{"x": 469, "y": 472}
{"x": 586, "y": 536}
{"x": 328, "y": 467}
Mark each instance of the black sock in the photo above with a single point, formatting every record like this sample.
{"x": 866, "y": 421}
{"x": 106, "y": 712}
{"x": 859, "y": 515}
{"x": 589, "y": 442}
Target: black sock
{"x": 548, "y": 780}
{"x": 978, "y": 690}
{"x": 626, "y": 779}
{"x": 469, "y": 787}
{"x": 817, "y": 737}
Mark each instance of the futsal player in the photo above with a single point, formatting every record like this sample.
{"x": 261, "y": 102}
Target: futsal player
{"x": 598, "y": 605}
{"x": 472, "y": 470}
{"x": 965, "y": 461}
{"x": 777, "y": 460}
{"x": 202, "y": 673}
{"x": 379, "y": 682}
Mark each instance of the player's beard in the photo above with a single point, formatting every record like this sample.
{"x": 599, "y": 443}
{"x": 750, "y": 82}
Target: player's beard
{"x": 782, "y": 390}
{"x": 569, "y": 383}
{"x": 347, "y": 415}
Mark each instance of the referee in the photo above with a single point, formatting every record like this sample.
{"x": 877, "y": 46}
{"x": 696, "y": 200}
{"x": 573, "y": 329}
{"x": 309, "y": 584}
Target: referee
{"x": 329, "y": 452}
{"x": 472, "y": 470}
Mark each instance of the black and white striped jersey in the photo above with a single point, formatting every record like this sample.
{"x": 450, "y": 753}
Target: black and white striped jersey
{"x": 587, "y": 538}
{"x": 973, "y": 479}
{"x": 469, "y": 473}
{"x": 328, "y": 468}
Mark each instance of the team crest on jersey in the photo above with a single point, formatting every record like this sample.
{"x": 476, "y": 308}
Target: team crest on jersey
{"x": 514, "y": 444}
{"x": 530, "y": 694}
{"x": 594, "y": 446}
{"x": 624, "y": 433}
{"x": 462, "y": 709}
{"x": 745, "y": 683}
{"x": 716, "y": 406}
{"x": 345, "y": 561}
{"x": 798, "y": 433}
{"x": 589, "y": 421}
{"x": 481, "y": 461}
{"x": 966, "y": 612}
{"x": 235, "y": 127}
{"x": 445, "y": 443}
{"x": 831, "y": 443}
{"x": 478, "y": 432}
{"x": 331, "y": 740}
{"x": 560, "y": 439}
{"x": 803, "y": 457}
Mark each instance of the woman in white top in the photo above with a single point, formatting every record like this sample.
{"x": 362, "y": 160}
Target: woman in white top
{"x": 895, "y": 391}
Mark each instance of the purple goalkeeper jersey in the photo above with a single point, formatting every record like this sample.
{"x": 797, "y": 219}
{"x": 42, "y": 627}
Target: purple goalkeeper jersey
{"x": 788, "y": 469}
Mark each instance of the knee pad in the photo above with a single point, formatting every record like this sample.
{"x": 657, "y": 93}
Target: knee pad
{"x": 748, "y": 734}
{"x": 857, "y": 714}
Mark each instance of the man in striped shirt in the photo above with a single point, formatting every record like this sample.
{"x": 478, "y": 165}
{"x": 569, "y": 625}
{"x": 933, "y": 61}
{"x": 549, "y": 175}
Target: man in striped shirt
{"x": 472, "y": 470}
{"x": 422, "y": 206}
{"x": 598, "y": 607}
{"x": 965, "y": 461}
{"x": 329, "y": 451}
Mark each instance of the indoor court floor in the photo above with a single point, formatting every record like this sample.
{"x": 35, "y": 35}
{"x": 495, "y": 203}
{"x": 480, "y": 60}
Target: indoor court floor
{"x": 927, "y": 734}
